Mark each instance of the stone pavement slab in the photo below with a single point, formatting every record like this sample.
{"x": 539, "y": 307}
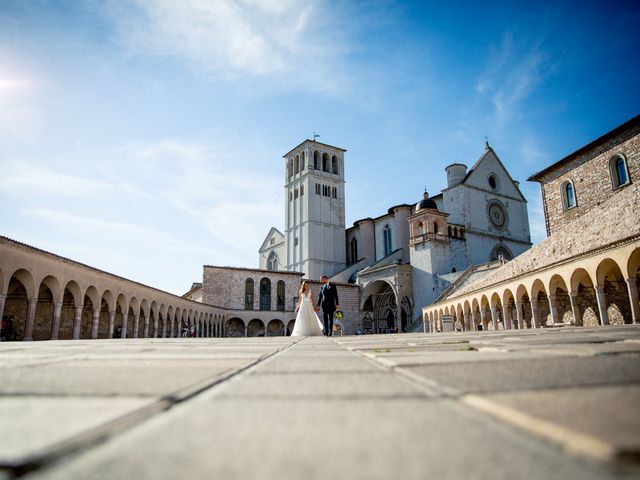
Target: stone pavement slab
{"x": 603, "y": 421}
{"x": 488, "y": 405}
{"x": 31, "y": 425}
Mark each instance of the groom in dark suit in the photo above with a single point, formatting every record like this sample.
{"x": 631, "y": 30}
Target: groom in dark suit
{"x": 328, "y": 301}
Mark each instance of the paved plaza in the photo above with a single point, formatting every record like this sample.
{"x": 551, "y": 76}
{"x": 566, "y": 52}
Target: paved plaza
{"x": 553, "y": 403}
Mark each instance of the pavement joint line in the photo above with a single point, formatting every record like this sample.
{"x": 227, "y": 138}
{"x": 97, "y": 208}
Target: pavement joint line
{"x": 429, "y": 387}
{"x": 572, "y": 441}
{"x": 101, "y": 433}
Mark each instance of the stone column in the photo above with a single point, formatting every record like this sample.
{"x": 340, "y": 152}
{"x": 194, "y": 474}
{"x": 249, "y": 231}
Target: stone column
{"x": 553, "y": 308}
{"x": 265, "y": 331}
{"x": 112, "y": 322}
{"x": 77, "y": 322}
{"x": 31, "y": 315}
{"x": 3, "y": 298}
{"x": 633, "y": 299}
{"x": 520, "y": 316}
{"x": 398, "y": 319}
{"x": 494, "y": 317}
{"x": 575, "y": 308}
{"x": 506, "y": 316}
{"x": 55, "y": 328}
{"x": 474, "y": 320}
{"x": 145, "y": 330}
{"x": 467, "y": 321}
{"x": 246, "y": 330}
{"x": 136, "y": 324}
{"x": 602, "y": 305}
{"x": 96, "y": 322}
{"x": 156, "y": 321}
{"x": 535, "y": 322}
{"x": 125, "y": 322}
{"x": 170, "y": 320}
{"x": 483, "y": 318}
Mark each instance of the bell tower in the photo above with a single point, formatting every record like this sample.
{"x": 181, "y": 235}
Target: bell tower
{"x": 314, "y": 209}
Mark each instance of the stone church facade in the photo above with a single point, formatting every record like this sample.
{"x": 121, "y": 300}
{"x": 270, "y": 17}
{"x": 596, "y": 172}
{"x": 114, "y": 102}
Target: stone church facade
{"x": 405, "y": 258}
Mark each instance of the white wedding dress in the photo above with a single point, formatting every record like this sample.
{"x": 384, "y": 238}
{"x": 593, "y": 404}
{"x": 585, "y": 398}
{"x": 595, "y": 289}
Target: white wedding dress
{"x": 307, "y": 322}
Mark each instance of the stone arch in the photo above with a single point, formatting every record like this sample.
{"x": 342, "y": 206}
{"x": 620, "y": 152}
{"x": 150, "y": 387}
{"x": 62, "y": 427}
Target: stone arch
{"x": 255, "y": 328}
{"x": 561, "y": 311}
{"x": 119, "y": 327}
{"x": 235, "y": 327}
{"x": 386, "y": 311}
{"x": 43, "y": 325}
{"x": 71, "y": 300}
{"x": 509, "y": 309}
{"x": 290, "y": 326}
{"x": 612, "y": 290}
{"x": 584, "y": 298}
{"x": 524, "y": 303}
{"x": 275, "y": 328}
{"x": 325, "y": 162}
{"x": 92, "y": 306}
{"x": 540, "y": 303}
{"x": 19, "y": 305}
{"x": 25, "y": 277}
{"x": 633, "y": 280}
{"x": 496, "y": 312}
{"x": 633, "y": 264}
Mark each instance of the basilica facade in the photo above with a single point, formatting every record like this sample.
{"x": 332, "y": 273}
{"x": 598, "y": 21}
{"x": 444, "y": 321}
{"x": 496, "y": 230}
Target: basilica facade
{"x": 406, "y": 257}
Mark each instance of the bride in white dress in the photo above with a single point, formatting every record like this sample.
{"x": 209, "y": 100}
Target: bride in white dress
{"x": 307, "y": 322}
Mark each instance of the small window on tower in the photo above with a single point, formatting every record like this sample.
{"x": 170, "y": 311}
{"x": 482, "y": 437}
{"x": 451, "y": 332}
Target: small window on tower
{"x": 295, "y": 242}
{"x": 301, "y": 190}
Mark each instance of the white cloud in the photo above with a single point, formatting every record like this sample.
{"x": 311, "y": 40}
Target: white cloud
{"x": 236, "y": 205}
{"x": 288, "y": 40}
{"x": 512, "y": 76}
{"x": 19, "y": 176}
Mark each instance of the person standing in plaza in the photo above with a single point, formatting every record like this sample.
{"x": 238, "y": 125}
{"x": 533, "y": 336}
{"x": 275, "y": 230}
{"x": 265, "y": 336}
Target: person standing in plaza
{"x": 328, "y": 301}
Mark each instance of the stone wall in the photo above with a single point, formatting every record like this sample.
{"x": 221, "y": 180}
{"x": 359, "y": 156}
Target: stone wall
{"x": 591, "y": 179}
{"x": 225, "y": 286}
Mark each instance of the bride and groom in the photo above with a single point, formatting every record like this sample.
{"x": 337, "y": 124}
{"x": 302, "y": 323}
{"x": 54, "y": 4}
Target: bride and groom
{"x": 307, "y": 322}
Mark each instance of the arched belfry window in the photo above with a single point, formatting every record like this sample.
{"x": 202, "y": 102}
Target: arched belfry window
{"x": 353, "y": 247}
{"x": 248, "y": 294}
{"x": 280, "y": 295}
{"x": 272, "y": 262}
{"x": 568, "y": 195}
{"x": 619, "y": 172}
{"x": 388, "y": 246}
{"x": 290, "y": 168}
{"x": 302, "y": 159}
{"x": 334, "y": 165}
{"x": 325, "y": 162}
{"x": 265, "y": 294}
{"x": 420, "y": 228}
{"x": 316, "y": 160}
{"x": 435, "y": 227}
{"x": 296, "y": 164}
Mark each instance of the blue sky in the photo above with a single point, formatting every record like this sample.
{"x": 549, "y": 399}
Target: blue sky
{"x": 145, "y": 137}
